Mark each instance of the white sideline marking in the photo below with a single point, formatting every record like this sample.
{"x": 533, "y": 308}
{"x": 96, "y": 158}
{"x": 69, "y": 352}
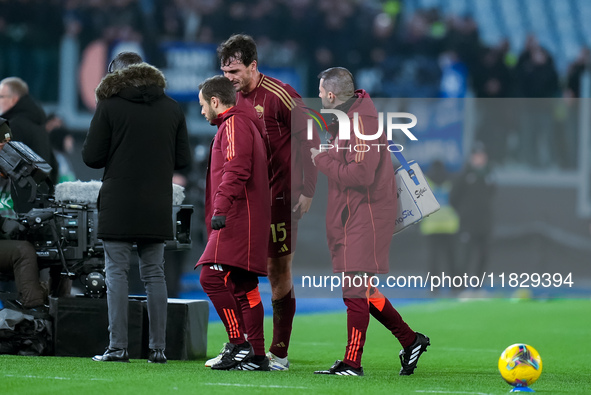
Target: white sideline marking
{"x": 451, "y": 392}
{"x": 52, "y": 378}
{"x": 256, "y": 386}
{"x": 471, "y": 350}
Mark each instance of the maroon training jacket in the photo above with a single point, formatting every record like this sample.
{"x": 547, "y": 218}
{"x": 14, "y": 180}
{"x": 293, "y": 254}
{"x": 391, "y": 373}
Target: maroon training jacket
{"x": 361, "y": 207}
{"x": 238, "y": 187}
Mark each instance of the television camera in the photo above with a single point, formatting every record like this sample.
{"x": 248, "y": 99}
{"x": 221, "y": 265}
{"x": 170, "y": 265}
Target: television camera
{"x": 62, "y": 226}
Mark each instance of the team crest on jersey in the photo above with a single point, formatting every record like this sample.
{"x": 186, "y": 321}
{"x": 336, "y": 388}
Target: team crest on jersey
{"x": 260, "y": 110}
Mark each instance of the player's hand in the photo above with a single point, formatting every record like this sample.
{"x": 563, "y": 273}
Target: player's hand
{"x": 302, "y": 206}
{"x": 315, "y": 153}
{"x": 218, "y": 222}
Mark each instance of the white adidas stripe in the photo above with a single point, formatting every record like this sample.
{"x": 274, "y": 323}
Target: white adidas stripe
{"x": 415, "y": 354}
{"x": 241, "y": 354}
{"x": 346, "y": 373}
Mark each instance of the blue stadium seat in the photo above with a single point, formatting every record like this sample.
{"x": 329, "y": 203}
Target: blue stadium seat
{"x": 457, "y": 7}
{"x": 485, "y": 16}
{"x": 583, "y": 10}
{"x": 568, "y": 29}
{"x": 561, "y": 26}
{"x": 515, "y": 23}
{"x": 430, "y": 4}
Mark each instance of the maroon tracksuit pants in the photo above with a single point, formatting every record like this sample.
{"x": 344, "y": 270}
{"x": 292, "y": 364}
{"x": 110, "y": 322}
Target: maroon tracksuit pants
{"x": 362, "y": 300}
{"x": 235, "y": 295}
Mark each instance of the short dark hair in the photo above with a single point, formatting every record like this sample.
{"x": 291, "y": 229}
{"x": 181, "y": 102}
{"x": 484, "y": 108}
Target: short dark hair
{"x": 123, "y": 60}
{"x": 339, "y": 81}
{"x": 220, "y": 87}
{"x": 240, "y": 47}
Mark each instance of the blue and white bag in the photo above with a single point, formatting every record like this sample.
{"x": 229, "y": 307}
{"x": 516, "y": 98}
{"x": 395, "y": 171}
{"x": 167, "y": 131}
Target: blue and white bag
{"x": 415, "y": 198}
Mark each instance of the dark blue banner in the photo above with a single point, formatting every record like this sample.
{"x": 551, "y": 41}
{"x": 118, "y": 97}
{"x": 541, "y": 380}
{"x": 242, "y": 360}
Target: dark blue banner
{"x": 187, "y": 65}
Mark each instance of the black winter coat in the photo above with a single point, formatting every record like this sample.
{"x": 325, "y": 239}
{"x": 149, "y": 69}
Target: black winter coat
{"x": 139, "y": 135}
{"x": 27, "y": 124}
{"x": 472, "y": 196}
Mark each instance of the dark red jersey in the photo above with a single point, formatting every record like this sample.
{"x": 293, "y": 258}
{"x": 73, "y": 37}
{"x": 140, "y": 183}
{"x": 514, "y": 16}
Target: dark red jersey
{"x": 291, "y": 169}
{"x": 238, "y": 188}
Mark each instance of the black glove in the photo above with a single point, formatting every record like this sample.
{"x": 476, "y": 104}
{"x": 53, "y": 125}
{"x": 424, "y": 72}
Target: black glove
{"x": 12, "y": 229}
{"x": 218, "y": 222}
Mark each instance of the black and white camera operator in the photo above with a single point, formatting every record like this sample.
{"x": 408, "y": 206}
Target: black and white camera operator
{"x": 17, "y": 257}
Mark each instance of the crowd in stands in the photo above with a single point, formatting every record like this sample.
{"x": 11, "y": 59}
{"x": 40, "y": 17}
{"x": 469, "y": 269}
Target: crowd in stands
{"x": 392, "y": 55}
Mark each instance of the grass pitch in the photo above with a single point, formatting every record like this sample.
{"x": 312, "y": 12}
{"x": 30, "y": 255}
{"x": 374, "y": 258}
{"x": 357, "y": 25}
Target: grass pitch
{"x": 467, "y": 339}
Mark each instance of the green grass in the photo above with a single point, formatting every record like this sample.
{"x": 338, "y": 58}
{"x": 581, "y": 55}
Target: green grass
{"x": 467, "y": 339}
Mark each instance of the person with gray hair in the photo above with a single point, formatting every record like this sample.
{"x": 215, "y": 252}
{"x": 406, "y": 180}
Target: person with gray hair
{"x": 139, "y": 136}
{"x": 27, "y": 121}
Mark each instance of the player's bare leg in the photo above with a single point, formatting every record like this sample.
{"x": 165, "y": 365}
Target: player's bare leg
{"x": 279, "y": 274}
{"x": 283, "y": 300}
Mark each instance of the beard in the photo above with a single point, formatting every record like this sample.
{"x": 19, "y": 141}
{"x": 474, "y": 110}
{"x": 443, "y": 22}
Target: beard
{"x": 211, "y": 115}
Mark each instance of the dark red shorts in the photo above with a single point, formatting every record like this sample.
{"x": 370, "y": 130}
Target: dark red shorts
{"x": 284, "y": 230}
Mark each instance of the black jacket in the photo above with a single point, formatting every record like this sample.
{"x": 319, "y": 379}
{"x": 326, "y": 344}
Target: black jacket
{"x": 27, "y": 124}
{"x": 472, "y": 196}
{"x": 139, "y": 135}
